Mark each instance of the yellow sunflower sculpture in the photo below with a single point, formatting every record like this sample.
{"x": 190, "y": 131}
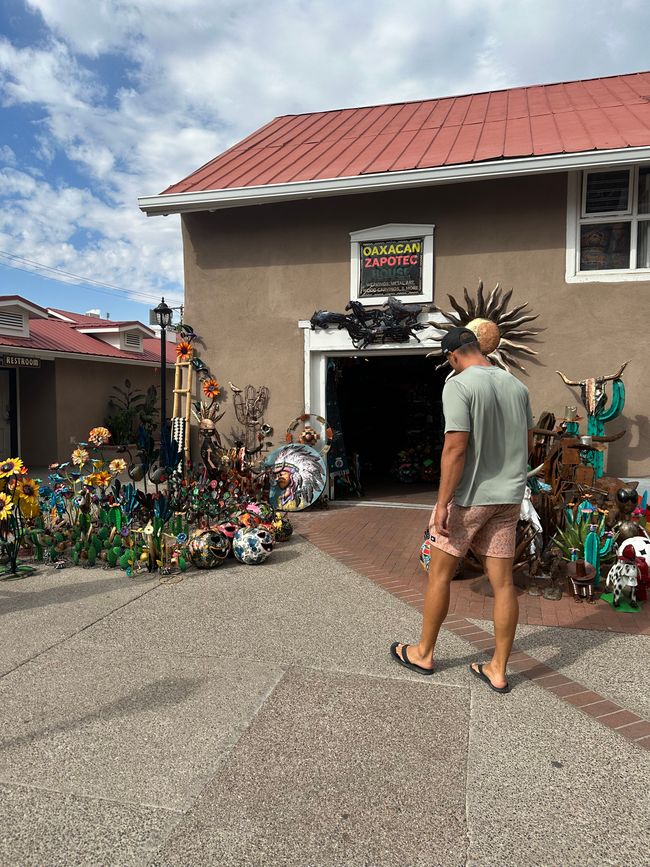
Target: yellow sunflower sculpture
{"x": 496, "y": 327}
{"x": 27, "y": 496}
{"x": 11, "y": 467}
{"x": 6, "y": 506}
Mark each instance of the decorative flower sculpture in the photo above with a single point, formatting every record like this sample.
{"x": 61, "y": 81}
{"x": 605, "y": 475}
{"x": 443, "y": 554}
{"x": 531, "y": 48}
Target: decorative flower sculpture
{"x": 27, "y": 494}
{"x": 98, "y": 436}
{"x": 211, "y": 388}
{"x": 11, "y": 467}
{"x": 99, "y": 480}
{"x": 117, "y": 466}
{"x": 494, "y": 325}
{"x": 6, "y": 506}
{"x": 184, "y": 350}
{"x": 80, "y": 457}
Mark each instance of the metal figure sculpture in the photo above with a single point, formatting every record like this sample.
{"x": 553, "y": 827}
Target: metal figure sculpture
{"x": 594, "y": 397}
{"x": 207, "y": 415}
{"x": 393, "y": 322}
{"x": 250, "y": 405}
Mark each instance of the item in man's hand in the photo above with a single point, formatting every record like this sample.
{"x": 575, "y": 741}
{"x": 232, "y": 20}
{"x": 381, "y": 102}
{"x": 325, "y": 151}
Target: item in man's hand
{"x": 425, "y": 551}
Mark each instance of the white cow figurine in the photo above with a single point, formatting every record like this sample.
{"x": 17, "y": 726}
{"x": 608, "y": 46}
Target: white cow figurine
{"x": 623, "y": 576}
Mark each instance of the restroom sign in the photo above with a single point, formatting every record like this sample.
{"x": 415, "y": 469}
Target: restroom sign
{"x": 390, "y": 267}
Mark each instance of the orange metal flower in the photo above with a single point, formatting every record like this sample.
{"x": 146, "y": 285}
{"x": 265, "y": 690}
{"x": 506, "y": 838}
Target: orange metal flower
{"x": 99, "y": 435}
{"x": 184, "y": 350}
{"x": 211, "y": 388}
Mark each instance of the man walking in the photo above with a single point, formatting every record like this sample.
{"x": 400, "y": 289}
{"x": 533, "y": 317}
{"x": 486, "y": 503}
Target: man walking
{"x": 488, "y": 438}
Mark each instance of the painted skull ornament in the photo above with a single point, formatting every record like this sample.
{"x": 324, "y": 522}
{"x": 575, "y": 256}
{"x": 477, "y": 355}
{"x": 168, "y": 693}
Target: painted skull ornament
{"x": 208, "y": 548}
{"x": 252, "y": 545}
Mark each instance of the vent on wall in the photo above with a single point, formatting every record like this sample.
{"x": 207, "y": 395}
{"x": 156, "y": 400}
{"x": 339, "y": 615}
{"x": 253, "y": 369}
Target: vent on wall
{"x": 133, "y": 340}
{"x": 12, "y": 322}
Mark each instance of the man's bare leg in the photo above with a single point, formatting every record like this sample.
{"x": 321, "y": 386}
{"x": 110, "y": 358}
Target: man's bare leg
{"x": 442, "y": 568}
{"x": 506, "y": 613}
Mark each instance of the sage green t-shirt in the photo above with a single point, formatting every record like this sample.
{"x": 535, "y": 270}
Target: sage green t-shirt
{"x": 495, "y": 408}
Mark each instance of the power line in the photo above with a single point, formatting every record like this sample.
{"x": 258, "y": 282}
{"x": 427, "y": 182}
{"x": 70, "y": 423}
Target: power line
{"x": 98, "y": 285}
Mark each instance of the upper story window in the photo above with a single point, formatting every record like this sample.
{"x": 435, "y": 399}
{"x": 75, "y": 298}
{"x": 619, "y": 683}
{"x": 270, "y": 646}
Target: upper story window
{"x": 608, "y": 230}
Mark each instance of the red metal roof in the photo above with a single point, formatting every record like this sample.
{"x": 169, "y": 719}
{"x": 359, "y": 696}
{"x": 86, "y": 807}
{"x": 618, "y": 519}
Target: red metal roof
{"x": 55, "y": 335}
{"x": 569, "y": 117}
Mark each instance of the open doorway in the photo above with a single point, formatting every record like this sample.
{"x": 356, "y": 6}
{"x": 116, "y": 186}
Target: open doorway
{"x": 386, "y": 412}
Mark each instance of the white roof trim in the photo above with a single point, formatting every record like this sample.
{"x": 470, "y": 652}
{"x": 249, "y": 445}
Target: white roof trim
{"x": 177, "y": 203}
{"x": 33, "y": 312}
{"x": 116, "y": 329}
{"x": 56, "y": 315}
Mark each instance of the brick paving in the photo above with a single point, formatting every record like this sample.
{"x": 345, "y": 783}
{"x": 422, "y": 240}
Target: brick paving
{"x": 383, "y": 543}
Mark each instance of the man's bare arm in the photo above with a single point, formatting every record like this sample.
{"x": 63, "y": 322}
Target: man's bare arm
{"x": 452, "y": 463}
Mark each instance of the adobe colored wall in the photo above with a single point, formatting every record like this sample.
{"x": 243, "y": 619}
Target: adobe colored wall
{"x": 82, "y": 391}
{"x": 251, "y": 273}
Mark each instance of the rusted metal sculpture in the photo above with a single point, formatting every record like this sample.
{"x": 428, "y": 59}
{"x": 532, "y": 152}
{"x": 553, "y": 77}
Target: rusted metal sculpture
{"x": 250, "y": 405}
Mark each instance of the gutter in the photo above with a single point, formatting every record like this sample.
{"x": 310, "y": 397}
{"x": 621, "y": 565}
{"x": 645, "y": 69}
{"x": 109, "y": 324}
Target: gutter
{"x": 234, "y": 197}
{"x": 52, "y": 355}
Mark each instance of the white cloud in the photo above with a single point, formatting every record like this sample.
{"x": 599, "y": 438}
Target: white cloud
{"x": 197, "y": 75}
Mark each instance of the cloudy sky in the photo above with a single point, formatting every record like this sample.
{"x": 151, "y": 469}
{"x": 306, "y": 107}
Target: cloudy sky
{"x": 105, "y": 100}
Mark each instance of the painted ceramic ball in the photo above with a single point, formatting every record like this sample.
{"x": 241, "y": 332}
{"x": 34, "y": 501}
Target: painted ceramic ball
{"x": 247, "y": 519}
{"x": 264, "y": 510}
{"x": 285, "y": 530}
{"x": 208, "y": 548}
{"x": 252, "y": 545}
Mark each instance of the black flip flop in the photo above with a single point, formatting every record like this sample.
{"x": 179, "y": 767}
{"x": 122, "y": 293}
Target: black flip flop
{"x": 405, "y": 661}
{"x": 481, "y": 674}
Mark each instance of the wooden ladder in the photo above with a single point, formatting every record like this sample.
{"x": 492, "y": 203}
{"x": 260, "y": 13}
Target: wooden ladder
{"x": 183, "y": 387}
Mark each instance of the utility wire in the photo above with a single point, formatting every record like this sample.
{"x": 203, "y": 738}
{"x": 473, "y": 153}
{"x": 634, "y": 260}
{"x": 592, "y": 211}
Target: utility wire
{"x": 102, "y": 287}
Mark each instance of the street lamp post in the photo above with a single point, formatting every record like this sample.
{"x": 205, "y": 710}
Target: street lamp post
{"x": 164, "y": 319}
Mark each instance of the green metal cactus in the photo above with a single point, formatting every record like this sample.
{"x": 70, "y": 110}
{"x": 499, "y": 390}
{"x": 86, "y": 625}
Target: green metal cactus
{"x": 596, "y": 422}
{"x": 584, "y": 539}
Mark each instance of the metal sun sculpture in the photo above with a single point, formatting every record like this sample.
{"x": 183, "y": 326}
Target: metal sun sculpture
{"x": 496, "y": 327}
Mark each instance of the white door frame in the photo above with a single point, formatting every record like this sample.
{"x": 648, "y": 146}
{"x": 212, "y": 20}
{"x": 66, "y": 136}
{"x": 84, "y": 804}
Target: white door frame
{"x": 320, "y": 344}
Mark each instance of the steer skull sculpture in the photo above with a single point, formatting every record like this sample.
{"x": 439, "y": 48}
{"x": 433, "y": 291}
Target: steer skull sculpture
{"x": 592, "y": 390}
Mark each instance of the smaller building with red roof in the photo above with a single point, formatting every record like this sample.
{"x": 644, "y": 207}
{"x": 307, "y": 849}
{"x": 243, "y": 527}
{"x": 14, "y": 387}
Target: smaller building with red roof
{"x": 57, "y": 372}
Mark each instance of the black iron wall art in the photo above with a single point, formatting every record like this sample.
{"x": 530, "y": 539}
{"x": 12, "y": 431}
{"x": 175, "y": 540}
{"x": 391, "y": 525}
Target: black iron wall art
{"x": 393, "y": 322}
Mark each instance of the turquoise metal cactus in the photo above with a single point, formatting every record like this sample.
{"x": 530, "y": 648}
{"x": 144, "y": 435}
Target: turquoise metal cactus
{"x": 584, "y": 538}
{"x": 596, "y": 422}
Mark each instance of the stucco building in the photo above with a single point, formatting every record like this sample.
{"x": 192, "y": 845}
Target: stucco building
{"x": 544, "y": 189}
{"x": 57, "y": 371}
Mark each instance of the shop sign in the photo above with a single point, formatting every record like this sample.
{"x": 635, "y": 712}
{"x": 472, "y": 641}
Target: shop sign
{"x": 20, "y": 361}
{"x": 390, "y": 267}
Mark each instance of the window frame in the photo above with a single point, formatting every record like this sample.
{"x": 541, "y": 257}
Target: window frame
{"x": 577, "y": 217}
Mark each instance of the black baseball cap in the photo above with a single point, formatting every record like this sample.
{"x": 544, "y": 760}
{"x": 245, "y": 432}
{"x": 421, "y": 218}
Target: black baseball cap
{"x": 457, "y": 337}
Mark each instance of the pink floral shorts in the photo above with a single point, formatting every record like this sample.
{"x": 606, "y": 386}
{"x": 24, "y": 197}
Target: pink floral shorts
{"x": 489, "y": 530}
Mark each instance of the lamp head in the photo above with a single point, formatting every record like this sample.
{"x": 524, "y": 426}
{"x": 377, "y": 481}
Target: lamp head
{"x": 164, "y": 314}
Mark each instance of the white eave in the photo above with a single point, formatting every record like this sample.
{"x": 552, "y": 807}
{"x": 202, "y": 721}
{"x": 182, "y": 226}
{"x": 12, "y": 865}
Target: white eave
{"x": 117, "y": 329}
{"x": 233, "y": 197}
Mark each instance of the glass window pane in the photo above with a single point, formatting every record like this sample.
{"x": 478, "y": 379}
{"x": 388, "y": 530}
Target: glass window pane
{"x": 604, "y": 246}
{"x": 607, "y": 191}
{"x": 644, "y": 190}
{"x": 643, "y": 245}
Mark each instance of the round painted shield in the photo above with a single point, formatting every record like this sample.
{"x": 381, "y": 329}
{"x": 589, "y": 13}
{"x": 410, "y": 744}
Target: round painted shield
{"x": 298, "y": 477}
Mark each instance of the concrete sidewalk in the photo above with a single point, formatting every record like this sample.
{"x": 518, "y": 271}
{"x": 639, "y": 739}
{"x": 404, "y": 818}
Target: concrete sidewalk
{"x": 252, "y": 716}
